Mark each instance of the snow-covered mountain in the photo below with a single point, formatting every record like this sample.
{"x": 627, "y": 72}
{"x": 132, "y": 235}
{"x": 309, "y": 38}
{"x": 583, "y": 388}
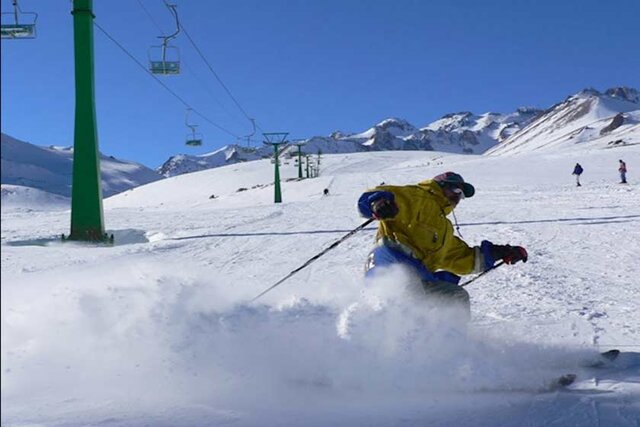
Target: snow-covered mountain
{"x": 580, "y": 118}
{"x": 229, "y": 154}
{"x": 50, "y": 169}
{"x": 475, "y": 134}
{"x": 589, "y": 117}
{"x": 453, "y": 133}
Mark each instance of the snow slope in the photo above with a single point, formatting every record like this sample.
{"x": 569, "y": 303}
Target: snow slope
{"x": 50, "y": 169}
{"x": 157, "y": 329}
{"x": 20, "y": 198}
{"x": 580, "y": 120}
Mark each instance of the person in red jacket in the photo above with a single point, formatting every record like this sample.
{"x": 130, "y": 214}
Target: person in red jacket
{"x": 623, "y": 172}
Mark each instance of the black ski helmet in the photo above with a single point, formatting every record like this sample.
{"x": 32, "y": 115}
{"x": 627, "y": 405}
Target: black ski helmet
{"x": 454, "y": 180}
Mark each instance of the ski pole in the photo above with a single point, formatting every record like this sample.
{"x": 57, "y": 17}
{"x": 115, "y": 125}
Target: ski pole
{"x": 333, "y": 245}
{"x": 482, "y": 274}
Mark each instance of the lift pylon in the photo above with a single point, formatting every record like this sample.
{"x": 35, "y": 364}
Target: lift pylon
{"x": 276, "y": 139}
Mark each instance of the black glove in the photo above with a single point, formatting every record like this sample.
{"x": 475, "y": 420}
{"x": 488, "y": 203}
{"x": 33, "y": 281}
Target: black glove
{"x": 384, "y": 209}
{"x": 509, "y": 254}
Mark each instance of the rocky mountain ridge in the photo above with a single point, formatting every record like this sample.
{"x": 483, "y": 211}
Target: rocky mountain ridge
{"x": 461, "y": 132}
{"x": 457, "y": 132}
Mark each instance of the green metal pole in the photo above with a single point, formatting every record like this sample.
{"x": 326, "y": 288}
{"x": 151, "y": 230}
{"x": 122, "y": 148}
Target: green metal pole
{"x": 278, "y": 193}
{"x": 300, "y": 161}
{"x": 270, "y": 138}
{"x": 307, "y": 164}
{"x": 86, "y": 195}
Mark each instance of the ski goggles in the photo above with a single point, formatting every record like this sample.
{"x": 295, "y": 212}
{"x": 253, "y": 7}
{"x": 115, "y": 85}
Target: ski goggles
{"x": 455, "y": 189}
{"x": 453, "y": 180}
{"x": 458, "y": 191}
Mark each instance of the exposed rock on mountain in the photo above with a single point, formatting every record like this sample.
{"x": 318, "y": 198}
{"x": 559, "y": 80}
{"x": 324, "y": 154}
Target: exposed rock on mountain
{"x": 580, "y": 118}
{"x": 617, "y": 121}
{"x": 588, "y": 117}
{"x": 457, "y": 132}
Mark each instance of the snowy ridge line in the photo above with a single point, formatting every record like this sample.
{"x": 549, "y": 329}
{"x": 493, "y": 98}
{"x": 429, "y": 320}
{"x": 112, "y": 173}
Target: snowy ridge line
{"x": 569, "y": 133}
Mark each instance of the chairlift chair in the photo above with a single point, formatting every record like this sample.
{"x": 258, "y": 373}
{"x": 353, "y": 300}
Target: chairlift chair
{"x": 165, "y": 59}
{"x": 253, "y": 124}
{"x": 18, "y": 24}
{"x": 194, "y": 139}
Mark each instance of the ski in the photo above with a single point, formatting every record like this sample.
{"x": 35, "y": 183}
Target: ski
{"x": 557, "y": 384}
{"x": 566, "y": 380}
{"x": 603, "y": 359}
{"x": 611, "y": 354}
{"x": 563, "y": 381}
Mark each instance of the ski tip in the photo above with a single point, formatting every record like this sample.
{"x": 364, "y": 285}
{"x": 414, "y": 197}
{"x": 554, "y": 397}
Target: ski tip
{"x": 611, "y": 354}
{"x": 566, "y": 380}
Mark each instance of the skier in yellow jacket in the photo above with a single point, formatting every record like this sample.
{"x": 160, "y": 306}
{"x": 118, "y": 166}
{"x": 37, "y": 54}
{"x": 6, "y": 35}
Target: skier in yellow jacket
{"x": 414, "y": 231}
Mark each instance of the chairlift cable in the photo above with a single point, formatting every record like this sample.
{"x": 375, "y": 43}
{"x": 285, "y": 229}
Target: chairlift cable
{"x": 199, "y": 80}
{"x": 146, "y": 11}
{"x": 233, "y": 116}
{"x": 204, "y": 59}
{"x": 178, "y": 97}
{"x": 216, "y": 76}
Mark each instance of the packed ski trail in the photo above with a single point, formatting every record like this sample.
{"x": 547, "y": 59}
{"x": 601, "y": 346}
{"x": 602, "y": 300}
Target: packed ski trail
{"x": 158, "y": 329}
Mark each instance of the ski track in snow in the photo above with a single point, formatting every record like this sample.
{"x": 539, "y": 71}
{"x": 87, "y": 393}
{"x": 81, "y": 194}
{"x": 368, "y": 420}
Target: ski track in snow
{"x": 157, "y": 330}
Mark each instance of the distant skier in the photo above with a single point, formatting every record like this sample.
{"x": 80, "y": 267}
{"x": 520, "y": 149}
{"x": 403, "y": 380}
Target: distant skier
{"x": 326, "y": 192}
{"x": 577, "y": 171}
{"x": 623, "y": 172}
{"x": 414, "y": 232}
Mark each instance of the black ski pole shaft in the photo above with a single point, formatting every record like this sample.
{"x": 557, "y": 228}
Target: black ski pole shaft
{"x": 315, "y": 257}
{"x": 482, "y": 274}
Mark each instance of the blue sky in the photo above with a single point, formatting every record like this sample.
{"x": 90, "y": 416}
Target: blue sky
{"x": 310, "y": 67}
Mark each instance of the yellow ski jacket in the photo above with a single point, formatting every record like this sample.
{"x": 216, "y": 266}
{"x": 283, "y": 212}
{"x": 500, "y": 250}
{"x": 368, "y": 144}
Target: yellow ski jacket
{"x": 422, "y": 227}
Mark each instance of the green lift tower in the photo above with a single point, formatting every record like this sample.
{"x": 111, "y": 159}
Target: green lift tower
{"x": 276, "y": 139}
{"x": 86, "y": 194}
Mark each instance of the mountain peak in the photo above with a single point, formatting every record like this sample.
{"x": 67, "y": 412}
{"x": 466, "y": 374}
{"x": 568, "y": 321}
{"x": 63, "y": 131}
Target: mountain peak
{"x": 528, "y": 110}
{"x": 625, "y": 93}
{"x": 395, "y": 123}
{"x": 588, "y": 92}
{"x": 462, "y": 114}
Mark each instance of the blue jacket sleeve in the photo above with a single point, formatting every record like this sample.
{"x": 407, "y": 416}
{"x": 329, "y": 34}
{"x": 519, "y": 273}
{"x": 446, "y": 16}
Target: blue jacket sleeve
{"x": 364, "y": 203}
{"x": 485, "y": 248}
